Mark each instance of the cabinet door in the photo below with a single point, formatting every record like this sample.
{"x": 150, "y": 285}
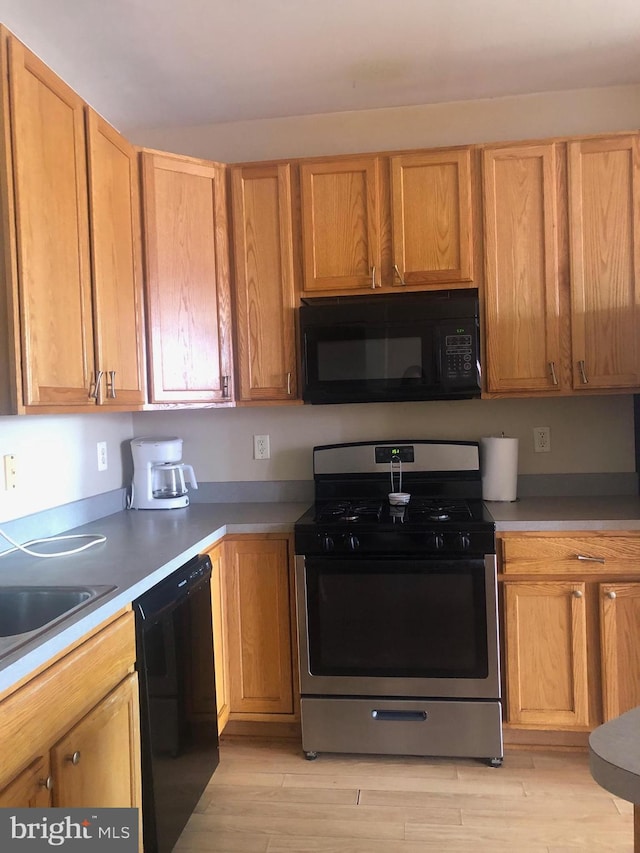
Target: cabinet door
{"x": 522, "y": 289}
{"x": 51, "y": 210}
{"x": 116, "y": 256}
{"x": 432, "y": 217}
{"x": 259, "y": 626}
{"x": 220, "y": 651}
{"x": 188, "y": 285}
{"x": 341, "y": 224}
{"x": 604, "y": 208}
{"x": 31, "y": 789}
{"x": 546, "y": 651}
{"x": 264, "y": 285}
{"x": 98, "y": 761}
{"x": 620, "y": 646}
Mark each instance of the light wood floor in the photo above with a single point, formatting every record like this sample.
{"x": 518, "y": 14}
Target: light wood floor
{"x": 266, "y": 798}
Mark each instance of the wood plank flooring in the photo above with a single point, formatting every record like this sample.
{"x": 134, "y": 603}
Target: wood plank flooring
{"x": 266, "y": 798}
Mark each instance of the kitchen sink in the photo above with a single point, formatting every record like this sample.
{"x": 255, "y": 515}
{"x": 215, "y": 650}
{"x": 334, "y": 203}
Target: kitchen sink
{"x": 31, "y": 609}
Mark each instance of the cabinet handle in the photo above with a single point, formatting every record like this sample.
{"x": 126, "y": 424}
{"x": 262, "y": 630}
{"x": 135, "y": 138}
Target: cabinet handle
{"x": 111, "y": 385}
{"x": 289, "y": 383}
{"x": 73, "y": 759}
{"x": 94, "y": 388}
{"x": 583, "y": 375}
{"x": 46, "y": 783}
{"x": 225, "y": 386}
{"x": 577, "y": 593}
{"x": 373, "y": 278}
{"x": 590, "y": 559}
{"x": 399, "y": 274}
{"x": 552, "y": 367}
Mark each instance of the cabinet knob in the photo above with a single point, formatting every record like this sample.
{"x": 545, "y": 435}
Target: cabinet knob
{"x": 611, "y": 594}
{"x": 577, "y": 593}
{"x": 73, "y": 759}
{"x": 46, "y": 783}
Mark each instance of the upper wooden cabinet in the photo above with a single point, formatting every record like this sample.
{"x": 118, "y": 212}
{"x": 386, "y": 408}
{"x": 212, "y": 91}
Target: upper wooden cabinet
{"x": 562, "y": 250}
{"x": 432, "y": 218}
{"x": 522, "y": 281}
{"x": 52, "y": 233}
{"x": 188, "y": 281}
{"x": 73, "y": 330}
{"x": 265, "y": 294}
{"x": 116, "y": 252}
{"x": 604, "y": 220}
{"x": 341, "y": 224}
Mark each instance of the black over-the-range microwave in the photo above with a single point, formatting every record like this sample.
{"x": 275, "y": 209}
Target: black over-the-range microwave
{"x": 401, "y": 346}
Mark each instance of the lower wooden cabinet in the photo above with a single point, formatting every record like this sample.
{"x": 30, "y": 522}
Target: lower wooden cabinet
{"x": 571, "y": 628}
{"x": 220, "y": 652}
{"x": 546, "y": 642}
{"x": 71, "y": 736}
{"x": 260, "y": 628}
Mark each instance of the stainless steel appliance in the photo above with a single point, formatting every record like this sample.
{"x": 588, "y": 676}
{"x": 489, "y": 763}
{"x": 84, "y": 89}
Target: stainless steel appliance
{"x": 159, "y": 475}
{"x": 406, "y": 346}
{"x": 397, "y": 604}
{"x": 178, "y": 718}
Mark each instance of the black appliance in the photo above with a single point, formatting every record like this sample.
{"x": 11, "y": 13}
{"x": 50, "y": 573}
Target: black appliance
{"x": 397, "y": 605}
{"x": 178, "y": 718}
{"x": 391, "y": 347}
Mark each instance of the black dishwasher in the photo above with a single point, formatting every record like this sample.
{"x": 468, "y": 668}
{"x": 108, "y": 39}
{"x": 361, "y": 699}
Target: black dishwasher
{"x": 178, "y": 719}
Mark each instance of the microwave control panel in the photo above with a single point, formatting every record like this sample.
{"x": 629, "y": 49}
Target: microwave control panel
{"x": 460, "y": 354}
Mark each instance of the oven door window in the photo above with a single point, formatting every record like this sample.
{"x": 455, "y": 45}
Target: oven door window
{"x": 405, "y": 618}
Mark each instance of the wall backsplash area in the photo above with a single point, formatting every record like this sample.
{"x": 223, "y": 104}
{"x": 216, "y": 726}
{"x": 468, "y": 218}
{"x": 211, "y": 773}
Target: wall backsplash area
{"x": 56, "y": 456}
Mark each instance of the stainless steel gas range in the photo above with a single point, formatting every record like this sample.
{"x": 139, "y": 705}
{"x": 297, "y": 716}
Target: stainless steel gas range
{"x": 397, "y": 603}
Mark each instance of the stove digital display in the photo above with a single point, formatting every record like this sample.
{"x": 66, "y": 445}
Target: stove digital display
{"x": 388, "y": 453}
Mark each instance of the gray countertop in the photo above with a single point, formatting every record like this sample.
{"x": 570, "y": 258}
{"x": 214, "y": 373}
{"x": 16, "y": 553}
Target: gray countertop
{"x": 143, "y": 547}
{"x": 614, "y": 756}
{"x": 614, "y": 512}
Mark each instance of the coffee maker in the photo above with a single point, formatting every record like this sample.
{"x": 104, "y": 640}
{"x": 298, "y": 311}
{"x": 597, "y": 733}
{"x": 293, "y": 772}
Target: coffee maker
{"x": 159, "y": 474}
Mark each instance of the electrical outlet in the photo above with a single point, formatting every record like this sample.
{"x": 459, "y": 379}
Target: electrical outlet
{"x": 10, "y": 472}
{"x": 103, "y": 462}
{"x": 542, "y": 439}
{"x": 261, "y": 448}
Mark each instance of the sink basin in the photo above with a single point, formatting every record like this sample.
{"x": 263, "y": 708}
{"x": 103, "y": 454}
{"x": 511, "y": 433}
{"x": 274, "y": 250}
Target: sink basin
{"x": 26, "y": 609}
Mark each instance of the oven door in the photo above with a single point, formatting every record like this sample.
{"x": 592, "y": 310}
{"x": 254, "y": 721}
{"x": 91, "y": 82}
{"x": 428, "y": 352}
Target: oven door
{"x": 398, "y": 626}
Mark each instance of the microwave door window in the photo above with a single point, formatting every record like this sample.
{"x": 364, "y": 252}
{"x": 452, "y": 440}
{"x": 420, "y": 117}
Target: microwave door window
{"x": 368, "y": 357}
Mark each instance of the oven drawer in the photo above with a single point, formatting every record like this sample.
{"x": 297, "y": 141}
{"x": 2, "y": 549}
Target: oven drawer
{"x": 575, "y": 553}
{"x": 402, "y": 727}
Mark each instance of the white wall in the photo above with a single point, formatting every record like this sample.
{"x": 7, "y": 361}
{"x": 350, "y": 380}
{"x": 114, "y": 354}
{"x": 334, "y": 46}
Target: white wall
{"x": 56, "y": 459}
{"x": 588, "y": 435}
{"x": 463, "y": 122}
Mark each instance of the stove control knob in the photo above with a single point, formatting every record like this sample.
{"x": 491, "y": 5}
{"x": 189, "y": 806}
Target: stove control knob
{"x": 327, "y": 542}
{"x": 352, "y": 542}
{"x": 464, "y": 541}
{"x": 438, "y": 541}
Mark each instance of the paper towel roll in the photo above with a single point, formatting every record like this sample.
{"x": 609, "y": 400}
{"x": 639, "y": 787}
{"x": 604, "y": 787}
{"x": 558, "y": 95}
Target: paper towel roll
{"x": 499, "y": 468}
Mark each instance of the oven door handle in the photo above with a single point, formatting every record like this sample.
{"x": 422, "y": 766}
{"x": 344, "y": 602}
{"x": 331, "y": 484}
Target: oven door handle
{"x": 400, "y": 716}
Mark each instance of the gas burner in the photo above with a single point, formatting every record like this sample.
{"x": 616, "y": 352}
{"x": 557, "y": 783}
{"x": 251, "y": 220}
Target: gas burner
{"x": 350, "y": 512}
{"x": 433, "y": 510}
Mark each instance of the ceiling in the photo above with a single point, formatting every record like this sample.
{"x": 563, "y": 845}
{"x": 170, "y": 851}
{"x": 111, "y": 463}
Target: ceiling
{"x": 159, "y": 63}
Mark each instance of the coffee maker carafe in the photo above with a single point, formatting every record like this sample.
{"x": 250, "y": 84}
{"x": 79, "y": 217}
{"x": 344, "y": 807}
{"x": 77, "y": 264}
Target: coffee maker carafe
{"x": 159, "y": 475}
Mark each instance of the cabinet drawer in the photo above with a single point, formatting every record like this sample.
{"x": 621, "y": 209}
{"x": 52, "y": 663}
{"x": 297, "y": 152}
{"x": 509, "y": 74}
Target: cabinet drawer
{"x": 581, "y": 553}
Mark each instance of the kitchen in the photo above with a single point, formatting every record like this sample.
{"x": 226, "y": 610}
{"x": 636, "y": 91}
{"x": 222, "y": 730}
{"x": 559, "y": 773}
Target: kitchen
{"x": 220, "y": 442}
